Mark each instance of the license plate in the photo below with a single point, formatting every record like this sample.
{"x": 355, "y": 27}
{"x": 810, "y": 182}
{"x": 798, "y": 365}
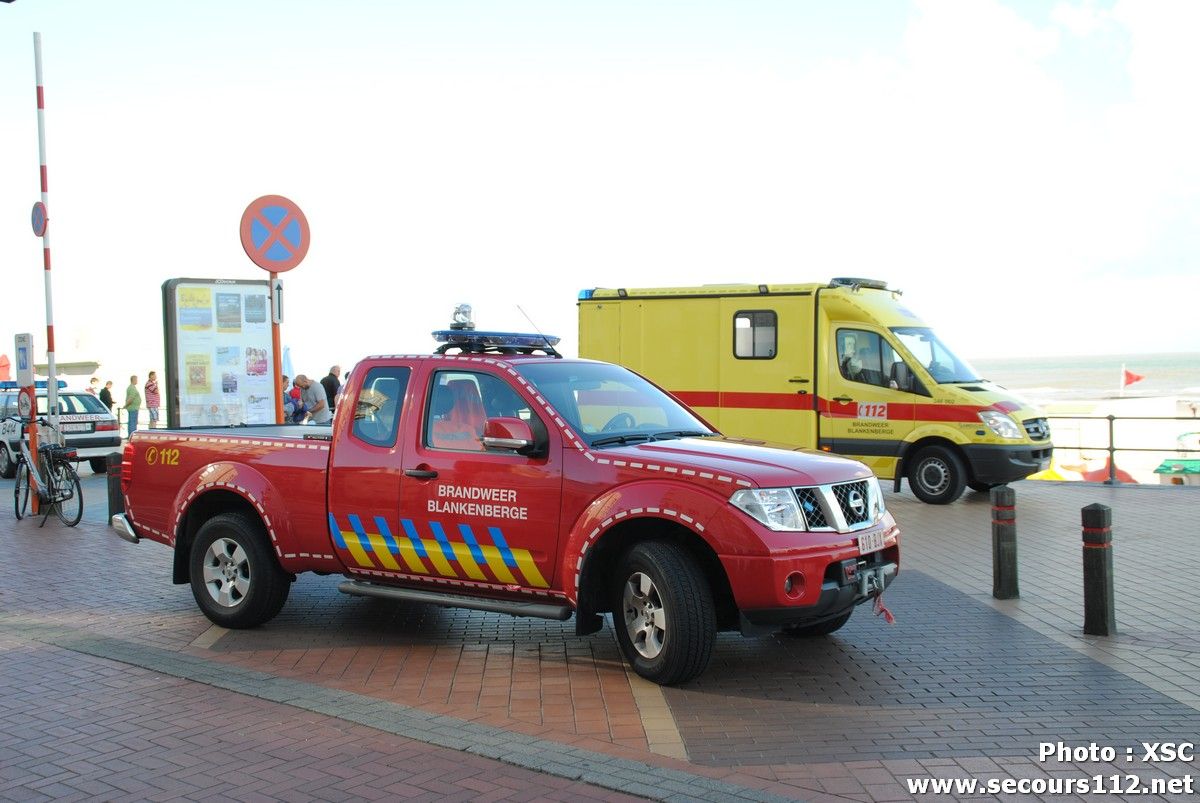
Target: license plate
{"x": 870, "y": 542}
{"x": 76, "y": 427}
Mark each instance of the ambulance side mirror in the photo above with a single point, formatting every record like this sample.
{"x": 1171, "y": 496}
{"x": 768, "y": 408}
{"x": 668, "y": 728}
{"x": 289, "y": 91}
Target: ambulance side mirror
{"x": 508, "y": 434}
{"x": 902, "y": 377}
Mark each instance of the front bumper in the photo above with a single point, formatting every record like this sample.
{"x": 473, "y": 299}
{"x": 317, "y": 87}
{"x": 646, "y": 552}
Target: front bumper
{"x": 995, "y": 465}
{"x": 834, "y": 600}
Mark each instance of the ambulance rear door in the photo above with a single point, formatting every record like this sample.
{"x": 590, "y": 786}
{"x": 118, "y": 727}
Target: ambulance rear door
{"x": 864, "y": 412}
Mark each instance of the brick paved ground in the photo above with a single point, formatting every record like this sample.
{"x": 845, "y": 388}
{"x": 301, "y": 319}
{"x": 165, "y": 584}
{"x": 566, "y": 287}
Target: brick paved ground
{"x": 961, "y": 686}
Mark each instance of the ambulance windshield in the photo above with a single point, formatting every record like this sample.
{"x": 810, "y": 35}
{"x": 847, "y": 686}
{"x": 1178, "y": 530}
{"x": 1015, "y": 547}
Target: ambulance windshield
{"x": 929, "y": 351}
{"x": 610, "y": 405}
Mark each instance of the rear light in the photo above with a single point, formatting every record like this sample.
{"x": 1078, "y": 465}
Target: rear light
{"x": 107, "y": 426}
{"x": 127, "y": 468}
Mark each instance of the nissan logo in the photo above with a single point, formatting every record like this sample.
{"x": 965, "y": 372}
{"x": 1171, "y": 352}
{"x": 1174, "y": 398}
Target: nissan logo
{"x": 857, "y": 503}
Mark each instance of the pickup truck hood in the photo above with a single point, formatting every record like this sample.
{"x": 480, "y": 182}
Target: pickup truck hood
{"x": 763, "y": 465}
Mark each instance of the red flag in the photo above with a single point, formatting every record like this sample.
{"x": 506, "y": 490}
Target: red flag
{"x": 1130, "y": 377}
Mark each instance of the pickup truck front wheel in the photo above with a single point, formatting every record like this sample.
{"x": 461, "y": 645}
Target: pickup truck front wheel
{"x": 234, "y": 576}
{"x": 663, "y": 613}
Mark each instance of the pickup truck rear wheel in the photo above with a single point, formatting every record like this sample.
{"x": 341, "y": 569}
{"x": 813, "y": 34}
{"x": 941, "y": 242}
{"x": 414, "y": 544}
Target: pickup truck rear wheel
{"x": 663, "y": 613}
{"x": 235, "y": 579}
{"x": 937, "y": 475}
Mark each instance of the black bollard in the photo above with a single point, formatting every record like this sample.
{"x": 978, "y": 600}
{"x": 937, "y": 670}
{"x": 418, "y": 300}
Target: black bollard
{"x": 1099, "y": 605}
{"x": 116, "y": 502}
{"x": 1004, "y": 543}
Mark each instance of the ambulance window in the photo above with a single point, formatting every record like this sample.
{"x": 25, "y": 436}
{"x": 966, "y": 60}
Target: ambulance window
{"x": 754, "y": 335}
{"x": 377, "y": 409}
{"x": 865, "y": 357}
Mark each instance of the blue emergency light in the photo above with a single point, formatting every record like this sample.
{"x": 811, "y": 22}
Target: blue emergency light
{"x": 8, "y": 384}
{"x": 474, "y": 341}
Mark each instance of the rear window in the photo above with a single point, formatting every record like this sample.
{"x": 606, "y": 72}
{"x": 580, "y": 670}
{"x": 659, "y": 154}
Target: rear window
{"x": 74, "y": 404}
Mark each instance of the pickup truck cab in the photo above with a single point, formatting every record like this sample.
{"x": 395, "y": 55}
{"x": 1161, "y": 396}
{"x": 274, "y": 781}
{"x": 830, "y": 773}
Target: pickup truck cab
{"x": 504, "y": 479}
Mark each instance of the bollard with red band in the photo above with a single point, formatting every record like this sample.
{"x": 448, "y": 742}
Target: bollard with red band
{"x": 1099, "y": 604}
{"x": 1004, "y": 543}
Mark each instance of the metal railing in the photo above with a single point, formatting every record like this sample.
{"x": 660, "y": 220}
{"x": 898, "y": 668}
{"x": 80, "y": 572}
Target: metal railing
{"x": 1111, "y": 448}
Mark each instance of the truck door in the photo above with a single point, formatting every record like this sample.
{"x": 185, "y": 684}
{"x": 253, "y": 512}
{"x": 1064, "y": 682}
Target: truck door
{"x": 864, "y": 413}
{"x": 474, "y": 516}
{"x": 365, "y": 476}
{"x": 766, "y": 368}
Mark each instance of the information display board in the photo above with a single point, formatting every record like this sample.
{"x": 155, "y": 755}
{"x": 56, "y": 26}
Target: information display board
{"x": 220, "y": 371}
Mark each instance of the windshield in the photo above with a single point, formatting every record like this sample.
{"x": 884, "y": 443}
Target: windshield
{"x": 607, "y": 404}
{"x": 940, "y": 361}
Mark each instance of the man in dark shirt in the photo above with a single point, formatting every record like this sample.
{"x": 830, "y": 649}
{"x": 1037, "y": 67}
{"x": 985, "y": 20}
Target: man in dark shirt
{"x": 332, "y": 384}
{"x": 106, "y": 396}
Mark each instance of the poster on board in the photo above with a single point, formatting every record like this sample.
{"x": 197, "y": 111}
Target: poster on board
{"x": 220, "y": 370}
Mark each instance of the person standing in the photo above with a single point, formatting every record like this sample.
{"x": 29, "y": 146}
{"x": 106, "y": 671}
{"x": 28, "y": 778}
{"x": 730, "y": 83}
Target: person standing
{"x": 133, "y": 403}
{"x": 106, "y": 395}
{"x": 153, "y": 399}
{"x": 332, "y": 384}
{"x": 93, "y": 385}
{"x": 313, "y": 398}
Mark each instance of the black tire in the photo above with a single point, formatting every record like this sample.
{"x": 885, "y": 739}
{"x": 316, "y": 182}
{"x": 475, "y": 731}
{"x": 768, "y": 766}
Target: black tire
{"x": 663, "y": 613}
{"x": 821, "y": 629}
{"x": 937, "y": 475}
{"x": 982, "y": 487}
{"x": 235, "y": 578}
{"x": 98, "y": 464}
{"x": 70, "y": 494}
{"x": 8, "y": 462}
{"x": 21, "y": 492}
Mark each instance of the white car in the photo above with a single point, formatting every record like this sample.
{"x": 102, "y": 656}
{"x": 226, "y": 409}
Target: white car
{"x": 87, "y": 426}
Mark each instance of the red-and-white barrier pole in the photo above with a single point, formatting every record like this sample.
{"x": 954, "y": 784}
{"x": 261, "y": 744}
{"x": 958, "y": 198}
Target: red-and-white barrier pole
{"x": 51, "y": 368}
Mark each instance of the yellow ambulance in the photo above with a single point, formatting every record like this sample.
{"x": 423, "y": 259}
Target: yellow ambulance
{"x": 842, "y": 367}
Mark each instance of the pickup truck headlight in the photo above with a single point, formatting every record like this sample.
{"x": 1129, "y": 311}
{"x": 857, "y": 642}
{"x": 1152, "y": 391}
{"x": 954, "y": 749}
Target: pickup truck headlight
{"x": 775, "y": 508}
{"x": 1002, "y": 425}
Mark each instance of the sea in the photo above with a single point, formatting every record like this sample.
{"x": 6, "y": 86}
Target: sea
{"x": 1043, "y": 380}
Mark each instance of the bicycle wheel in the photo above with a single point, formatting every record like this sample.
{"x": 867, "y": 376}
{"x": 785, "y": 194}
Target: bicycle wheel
{"x": 21, "y": 491}
{"x": 69, "y": 494}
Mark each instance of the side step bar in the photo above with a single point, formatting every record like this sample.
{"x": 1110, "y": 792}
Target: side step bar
{"x": 541, "y": 610}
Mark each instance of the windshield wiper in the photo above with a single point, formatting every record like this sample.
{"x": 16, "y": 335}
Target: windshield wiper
{"x": 639, "y": 437}
{"x": 681, "y": 433}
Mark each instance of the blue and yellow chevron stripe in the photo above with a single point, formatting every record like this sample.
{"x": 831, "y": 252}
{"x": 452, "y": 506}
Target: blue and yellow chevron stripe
{"x": 443, "y": 557}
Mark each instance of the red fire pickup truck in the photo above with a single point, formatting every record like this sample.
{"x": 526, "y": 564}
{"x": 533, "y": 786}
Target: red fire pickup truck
{"x": 504, "y": 479}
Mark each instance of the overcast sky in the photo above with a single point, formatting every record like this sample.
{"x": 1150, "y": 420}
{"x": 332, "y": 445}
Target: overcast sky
{"x": 1027, "y": 172}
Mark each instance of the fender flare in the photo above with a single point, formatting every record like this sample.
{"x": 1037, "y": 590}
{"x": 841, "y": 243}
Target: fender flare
{"x": 246, "y": 482}
{"x": 666, "y": 500}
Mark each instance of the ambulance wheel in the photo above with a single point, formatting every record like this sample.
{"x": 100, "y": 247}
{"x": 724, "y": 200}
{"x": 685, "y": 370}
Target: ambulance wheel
{"x": 235, "y": 579}
{"x": 936, "y": 475}
{"x": 982, "y": 487}
{"x": 663, "y": 613}
{"x": 821, "y": 629}
{"x": 8, "y": 466}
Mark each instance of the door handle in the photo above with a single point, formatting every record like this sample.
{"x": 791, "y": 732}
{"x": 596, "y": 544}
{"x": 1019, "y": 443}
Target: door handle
{"x": 843, "y": 399}
{"x": 798, "y": 380}
{"x": 420, "y": 473}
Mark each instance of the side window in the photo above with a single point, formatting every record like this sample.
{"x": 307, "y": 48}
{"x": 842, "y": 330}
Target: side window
{"x": 755, "y": 335}
{"x": 460, "y": 402}
{"x": 866, "y": 357}
{"x": 377, "y": 410}
{"x": 8, "y": 404}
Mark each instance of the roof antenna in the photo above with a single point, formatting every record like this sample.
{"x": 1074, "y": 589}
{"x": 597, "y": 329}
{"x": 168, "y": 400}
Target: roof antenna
{"x": 549, "y": 345}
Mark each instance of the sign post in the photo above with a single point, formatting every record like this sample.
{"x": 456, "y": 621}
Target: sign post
{"x": 27, "y": 400}
{"x": 40, "y": 220}
{"x": 275, "y": 236}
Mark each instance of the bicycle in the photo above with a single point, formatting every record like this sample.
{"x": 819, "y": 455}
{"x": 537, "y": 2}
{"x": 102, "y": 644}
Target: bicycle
{"x": 57, "y": 480}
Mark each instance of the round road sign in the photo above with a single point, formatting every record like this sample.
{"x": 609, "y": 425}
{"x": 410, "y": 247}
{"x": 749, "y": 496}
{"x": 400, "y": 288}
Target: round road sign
{"x": 38, "y": 218}
{"x": 274, "y": 233}
{"x": 24, "y": 405}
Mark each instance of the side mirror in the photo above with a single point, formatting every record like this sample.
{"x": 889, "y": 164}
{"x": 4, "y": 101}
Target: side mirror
{"x": 902, "y": 376}
{"x": 509, "y": 434}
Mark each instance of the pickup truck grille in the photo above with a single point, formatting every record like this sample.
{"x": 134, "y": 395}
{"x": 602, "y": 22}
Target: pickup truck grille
{"x": 1037, "y": 428}
{"x": 839, "y": 507}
